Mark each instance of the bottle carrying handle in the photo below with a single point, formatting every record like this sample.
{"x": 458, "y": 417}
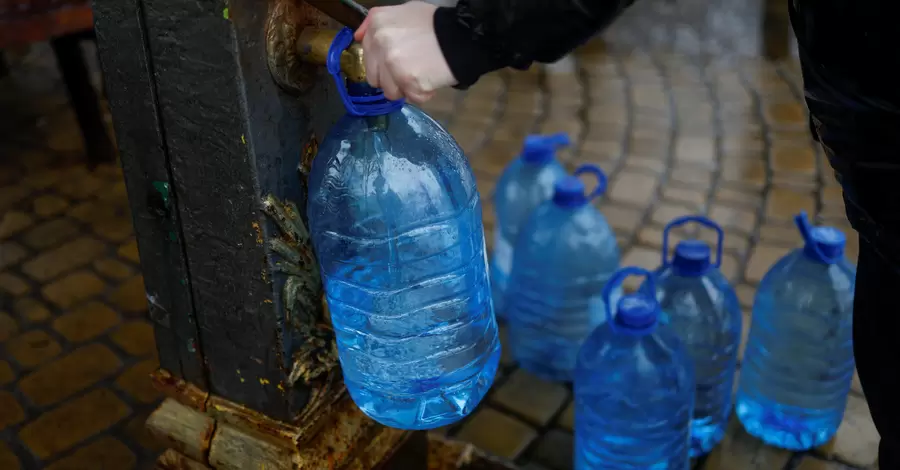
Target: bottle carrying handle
{"x": 597, "y": 173}
{"x": 616, "y": 281}
{"x": 374, "y": 105}
{"x": 699, "y": 219}
{"x": 806, "y": 229}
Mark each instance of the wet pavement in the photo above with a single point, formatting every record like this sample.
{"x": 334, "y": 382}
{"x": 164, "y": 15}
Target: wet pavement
{"x": 690, "y": 106}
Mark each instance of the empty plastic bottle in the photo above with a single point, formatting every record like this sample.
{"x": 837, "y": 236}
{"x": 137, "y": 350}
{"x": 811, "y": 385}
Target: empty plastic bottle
{"x": 798, "y": 365}
{"x": 564, "y": 255}
{"x": 396, "y": 223}
{"x": 701, "y": 307}
{"x": 525, "y": 184}
{"x": 634, "y": 389}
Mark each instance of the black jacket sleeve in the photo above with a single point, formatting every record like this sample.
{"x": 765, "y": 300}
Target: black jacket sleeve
{"x": 479, "y": 36}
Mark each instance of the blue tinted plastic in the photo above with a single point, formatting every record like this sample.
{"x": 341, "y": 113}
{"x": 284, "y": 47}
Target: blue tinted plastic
{"x": 396, "y": 222}
{"x": 541, "y": 149}
{"x": 634, "y": 396}
{"x": 564, "y": 256}
{"x": 524, "y": 185}
{"x": 369, "y": 104}
{"x": 798, "y": 365}
{"x": 701, "y": 307}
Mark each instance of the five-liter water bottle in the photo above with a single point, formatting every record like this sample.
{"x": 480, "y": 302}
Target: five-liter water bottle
{"x": 701, "y": 307}
{"x": 634, "y": 389}
{"x": 525, "y": 184}
{"x": 396, "y": 222}
{"x": 564, "y": 255}
{"x": 798, "y": 365}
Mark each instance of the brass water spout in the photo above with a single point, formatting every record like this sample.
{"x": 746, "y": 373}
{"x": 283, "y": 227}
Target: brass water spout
{"x": 313, "y": 45}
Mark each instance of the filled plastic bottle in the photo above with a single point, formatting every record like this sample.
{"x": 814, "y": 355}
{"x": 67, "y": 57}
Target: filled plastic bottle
{"x": 700, "y": 306}
{"x": 564, "y": 255}
{"x": 524, "y": 185}
{"x": 798, "y": 365}
{"x": 396, "y": 222}
{"x": 634, "y": 389}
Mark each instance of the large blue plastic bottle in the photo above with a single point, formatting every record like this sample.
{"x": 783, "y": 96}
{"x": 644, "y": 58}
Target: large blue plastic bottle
{"x": 525, "y": 184}
{"x": 564, "y": 255}
{"x": 701, "y": 307}
{"x": 634, "y": 389}
{"x": 396, "y": 222}
{"x": 798, "y": 365}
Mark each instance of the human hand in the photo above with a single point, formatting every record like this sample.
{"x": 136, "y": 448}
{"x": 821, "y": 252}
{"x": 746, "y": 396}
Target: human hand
{"x": 401, "y": 52}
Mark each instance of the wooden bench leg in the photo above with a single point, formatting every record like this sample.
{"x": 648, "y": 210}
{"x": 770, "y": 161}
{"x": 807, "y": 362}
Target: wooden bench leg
{"x": 84, "y": 98}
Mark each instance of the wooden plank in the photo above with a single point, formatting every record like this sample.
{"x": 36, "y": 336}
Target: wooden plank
{"x": 131, "y": 94}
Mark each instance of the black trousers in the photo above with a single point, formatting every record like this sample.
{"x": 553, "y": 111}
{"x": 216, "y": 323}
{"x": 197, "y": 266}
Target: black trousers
{"x": 861, "y": 137}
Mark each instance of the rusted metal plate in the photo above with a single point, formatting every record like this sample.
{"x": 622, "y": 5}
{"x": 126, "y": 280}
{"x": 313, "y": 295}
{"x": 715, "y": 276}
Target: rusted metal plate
{"x": 184, "y": 392}
{"x": 58, "y": 19}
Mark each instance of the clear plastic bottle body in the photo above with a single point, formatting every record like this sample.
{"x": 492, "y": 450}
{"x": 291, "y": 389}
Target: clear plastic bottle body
{"x": 522, "y": 187}
{"x": 564, "y": 257}
{"x": 633, "y": 402}
{"x": 798, "y": 365}
{"x": 703, "y": 310}
{"x": 397, "y": 226}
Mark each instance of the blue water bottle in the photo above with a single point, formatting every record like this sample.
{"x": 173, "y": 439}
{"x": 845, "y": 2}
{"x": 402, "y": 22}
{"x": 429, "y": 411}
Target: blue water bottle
{"x": 396, "y": 222}
{"x": 525, "y": 184}
{"x": 634, "y": 389}
{"x": 701, "y": 307}
{"x": 564, "y": 255}
{"x": 798, "y": 365}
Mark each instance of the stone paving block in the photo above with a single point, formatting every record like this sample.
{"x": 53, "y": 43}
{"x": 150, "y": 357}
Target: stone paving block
{"x": 641, "y": 164}
{"x": 785, "y": 203}
{"x": 749, "y": 173}
{"x": 11, "y": 412}
{"x": 129, "y": 251}
{"x": 7, "y": 374}
{"x": 114, "y": 230}
{"x": 33, "y": 348}
{"x": 9, "y": 327}
{"x": 781, "y": 235}
{"x": 556, "y": 450}
{"x": 794, "y": 159}
{"x": 64, "y": 427}
{"x": 856, "y": 441}
{"x": 497, "y": 433}
{"x": 81, "y": 188}
{"x": 113, "y": 269}
{"x": 8, "y": 460}
{"x": 633, "y": 188}
{"x": 762, "y": 258}
{"x": 741, "y": 451}
{"x": 13, "y": 285}
{"x": 738, "y": 197}
{"x": 135, "y": 338}
{"x": 812, "y": 463}
{"x": 733, "y": 218}
{"x": 10, "y": 195}
{"x": 104, "y": 453}
{"x": 566, "y": 419}
{"x": 130, "y": 297}
{"x": 49, "y": 205}
{"x": 790, "y": 113}
{"x": 74, "y": 288}
{"x": 31, "y": 310}
{"x": 691, "y": 177}
{"x": 642, "y": 257}
{"x": 666, "y": 211}
{"x": 10, "y": 254}
{"x": 622, "y": 219}
{"x": 746, "y": 295}
{"x": 506, "y": 357}
{"x": 86, "y": 322}
{"x": 136, "y": 381}
{"x": 695, "y": 197}
{"x": 70, "y": 374}
{"x": 91, "y": 212}
{"x": 534, "y": 399}
{"x": 69, "y": 256}
{"x": 696, "y": 150}
{"x": 50, "y": 233}
{"x": 14, "y": 222}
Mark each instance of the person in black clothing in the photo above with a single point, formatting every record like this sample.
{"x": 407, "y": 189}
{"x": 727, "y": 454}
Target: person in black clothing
{"x": 849, "y": 57}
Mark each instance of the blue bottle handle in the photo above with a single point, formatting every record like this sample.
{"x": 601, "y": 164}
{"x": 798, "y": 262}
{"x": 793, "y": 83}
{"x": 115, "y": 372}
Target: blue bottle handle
{"x": 375, "y": 105}
{"x": 616, "y": 281}
{"x": 598, "y": 173}
{"x": 806, "y": 228}
{"x": 699, "y": 219}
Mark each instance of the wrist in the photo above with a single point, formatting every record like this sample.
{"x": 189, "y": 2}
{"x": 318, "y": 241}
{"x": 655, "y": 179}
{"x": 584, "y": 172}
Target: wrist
{"x": 467, "y": 58}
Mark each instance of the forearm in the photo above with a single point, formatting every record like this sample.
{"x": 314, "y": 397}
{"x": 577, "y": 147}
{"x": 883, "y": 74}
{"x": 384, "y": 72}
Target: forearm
{"x": 478, "y": 36}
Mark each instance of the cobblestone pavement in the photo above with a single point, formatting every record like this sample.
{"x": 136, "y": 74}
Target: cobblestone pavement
{"x": 677, "y": 105}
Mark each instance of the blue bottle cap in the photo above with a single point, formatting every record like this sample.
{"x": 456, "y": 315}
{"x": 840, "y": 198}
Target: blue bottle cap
{"x": 636, "y": 313}
{"x": 823, "y": 244}
{"x": 692, "y": 258}
{"x": 540, "y": 149}
{"x": 569, "y": 192}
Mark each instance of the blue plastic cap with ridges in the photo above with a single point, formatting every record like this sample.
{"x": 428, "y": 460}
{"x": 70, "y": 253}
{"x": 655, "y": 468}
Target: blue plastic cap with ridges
{"x": 823, "y": 244}
{"x": 541, "y": 149}
{"x": 635, "y": 314}
{"x": 569, "y": 191}
{"x": 692, "y": 257}
{"x": 367, "y": 101}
